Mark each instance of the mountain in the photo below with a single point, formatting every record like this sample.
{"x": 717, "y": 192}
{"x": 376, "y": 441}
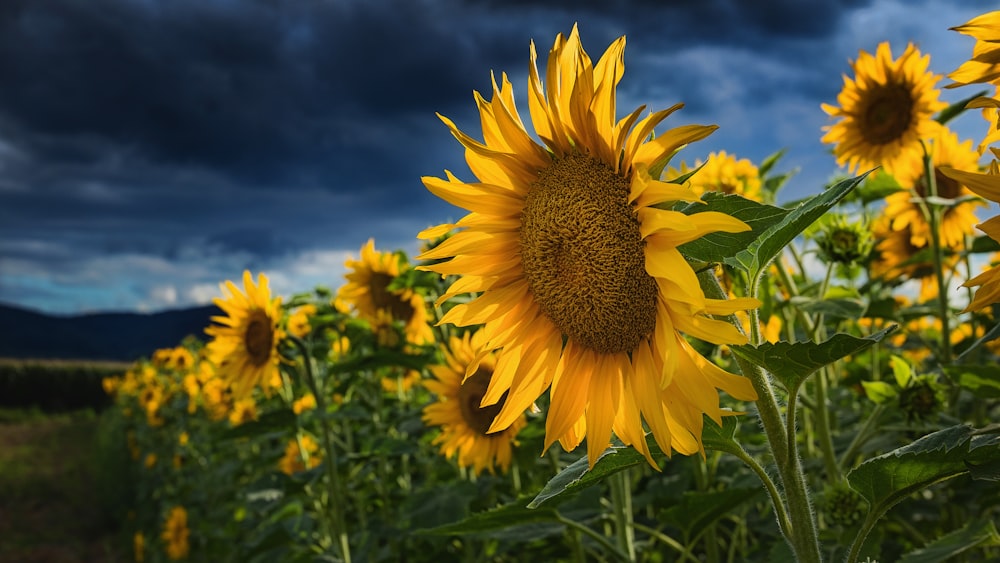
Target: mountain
{"x": 100, "y": 336}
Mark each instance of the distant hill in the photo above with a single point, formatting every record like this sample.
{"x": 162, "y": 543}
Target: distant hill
{"x": 100, "y": 336}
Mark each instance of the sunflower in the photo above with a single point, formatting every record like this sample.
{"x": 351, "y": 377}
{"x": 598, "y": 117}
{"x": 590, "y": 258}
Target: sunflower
{"x": 298, "y": 321}
{"x": 175, "y": 533}
{"x": 723, "y": 172}
{"x": 245, "y": 342}
{"x": 367, "y": 290}
{"x": 464, "y": 423}
{"x": 897, "y": 258}
{"x": 886, "y": 111}
{"x": 580, "y": 284}
{"x": 984, "y": 66}
{"x": 244, "y": 410}
{"x": 300, "y": 454}
{"x": 957, "y": 220}
{"x": 988, "y": 186}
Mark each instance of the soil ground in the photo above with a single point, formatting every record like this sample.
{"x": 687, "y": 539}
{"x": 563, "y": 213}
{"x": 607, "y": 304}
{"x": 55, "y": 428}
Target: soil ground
{"x": 50, "y": 510}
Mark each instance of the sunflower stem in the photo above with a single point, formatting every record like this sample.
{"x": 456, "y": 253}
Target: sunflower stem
{"x": 654, "y": 533}
{"x": 334, "y": 505}
{"x": 933, "y": 215}
{"x": 621, "y": 500}
{"x": 803, "y": 538}
{"x": 608, "y": 546}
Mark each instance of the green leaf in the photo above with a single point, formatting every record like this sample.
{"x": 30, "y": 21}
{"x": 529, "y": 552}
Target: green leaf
{"x": 765, "y": 248}
{"x": 768, "y": 163}
{"x": 721, "y": 439}
{"x": 889, "y": 478}
{"x": 981, "y": 380}
{"x": 877, "y": 187}
{"x": 984, "y": 244}
{"x": 282, "y": 420}
{"x": 716, "y": 247}
{"x": 578, "y": 475}
{"x": 901, "y": 371}
{"x": 381, "y": 358}
{"x": 841, "y": 308}
{"x": 952, "y": 111}
{"x": 506, "y": 516}
{"x": 978, "y": 533}
{"x": 880, "y": 392}
{"x": 696, "y": 510}
{"x": 792, "y": 362}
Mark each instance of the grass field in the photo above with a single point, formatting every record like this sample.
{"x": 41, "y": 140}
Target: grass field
{"x": 50, "y": 505}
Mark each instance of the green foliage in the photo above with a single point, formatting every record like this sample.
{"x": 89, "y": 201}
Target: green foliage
{"x": 975, "y": 533}
{"x": 56, "y": 386}
{"x": 891, "y": 477}
{"x": 766, "y": 247}
{"x": 717, "y": 247}
{"x": 792, "y": 362}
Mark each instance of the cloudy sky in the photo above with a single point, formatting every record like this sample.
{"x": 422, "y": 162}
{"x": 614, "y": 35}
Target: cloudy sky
{"x": 151, "y": 149}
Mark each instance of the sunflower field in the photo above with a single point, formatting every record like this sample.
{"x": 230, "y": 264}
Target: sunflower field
{"x": 623, "y": 352}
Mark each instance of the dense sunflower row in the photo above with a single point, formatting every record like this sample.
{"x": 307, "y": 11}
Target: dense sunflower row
{"x": 583, "y": 300}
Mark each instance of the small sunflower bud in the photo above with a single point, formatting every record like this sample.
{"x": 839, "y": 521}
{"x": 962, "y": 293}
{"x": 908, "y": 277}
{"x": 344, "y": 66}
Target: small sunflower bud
{"x": 842, "y": 505}
{"x": 921, "y": 400}
{"x": 843, "y": 242}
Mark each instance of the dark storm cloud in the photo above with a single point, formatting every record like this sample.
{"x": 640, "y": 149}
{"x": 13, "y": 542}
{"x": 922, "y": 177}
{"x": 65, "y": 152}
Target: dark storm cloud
{"x": 239, "y": 133}
{"x": 268, "y": 93}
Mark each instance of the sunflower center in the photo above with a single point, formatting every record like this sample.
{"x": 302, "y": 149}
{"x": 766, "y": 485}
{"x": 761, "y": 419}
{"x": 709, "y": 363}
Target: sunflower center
{"x": 386, "y": 300}
{"x": 470, "y": 395}
{"x": 888, "y": 114}
{"x": 259, "y": 337}
{"x": 946, "y": 187}
{"x": 583, "y": 255}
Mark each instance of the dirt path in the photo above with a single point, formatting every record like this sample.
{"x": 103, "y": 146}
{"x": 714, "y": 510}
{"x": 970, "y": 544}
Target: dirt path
{"x": 50, "y": 510}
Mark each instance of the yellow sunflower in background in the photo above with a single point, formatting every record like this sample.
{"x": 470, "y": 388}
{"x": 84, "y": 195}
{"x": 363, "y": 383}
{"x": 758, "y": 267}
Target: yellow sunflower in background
{"x": 723, "y": 172}
{"x": 988, "y": 186}
{"x": 367, "y": 290}
{"x": 175, "y": 533}
{"x": 956, "y": 221}
{"x": 245, "y": 341}
{"x": 298, "y": 321}
{"x": 884, "y": 112}
{"x": 897, "y": 258}
{"x": 579, "y": 280}
{"x": 464, "y": 423}
{"x": 296, "y": 454}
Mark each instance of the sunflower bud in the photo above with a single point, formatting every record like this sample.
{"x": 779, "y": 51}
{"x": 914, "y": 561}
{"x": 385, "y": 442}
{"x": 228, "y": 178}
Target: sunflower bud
{"x": 922, "y": 399}
{"x": 842, "y": 505}
{"x": 843, "y": 242}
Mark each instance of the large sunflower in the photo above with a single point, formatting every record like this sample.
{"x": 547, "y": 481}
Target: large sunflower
{"x": 464, "y": 423}
{"x": 988, "y": 186}
{"x": 245, "y": 341}
{"x": 723, "y": 172}
{"x": 885, "y": 112}
{"x": 367, "y": 290}
{"x": 580, "y": 282}
{"x": 956, "y": 221}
